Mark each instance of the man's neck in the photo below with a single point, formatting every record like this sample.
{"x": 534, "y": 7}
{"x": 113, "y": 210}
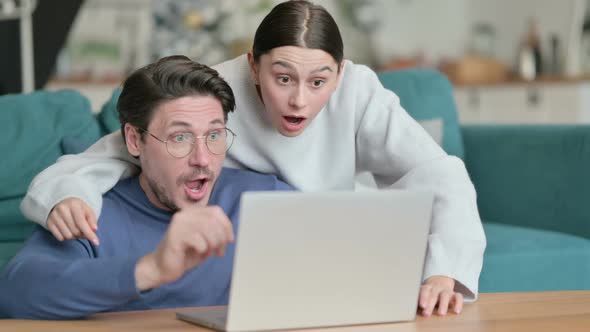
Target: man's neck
{"x": 152, "y": 197}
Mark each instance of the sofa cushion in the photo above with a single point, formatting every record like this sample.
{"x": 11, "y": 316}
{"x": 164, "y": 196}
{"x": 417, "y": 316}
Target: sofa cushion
{"x": 427, "y": 94}
{"x": 31, "y": 129}
{"x": 14, "y": 229}
{"x": 13, "y": 225}
{"x": 108, "y": 117}
{"x": 526, "y": 259}
{"x": 434, "y": 127}
{"x": 365, "y": 181}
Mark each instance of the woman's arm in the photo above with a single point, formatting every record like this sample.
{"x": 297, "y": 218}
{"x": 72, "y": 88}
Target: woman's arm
{"x": 401, "y": 154}
{"x": 86, "y": 176}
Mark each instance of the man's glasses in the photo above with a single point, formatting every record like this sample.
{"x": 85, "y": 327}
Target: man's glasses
{"x": 180, "y": 145}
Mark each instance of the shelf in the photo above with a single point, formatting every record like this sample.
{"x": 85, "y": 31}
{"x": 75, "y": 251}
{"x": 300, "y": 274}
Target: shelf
{"x": 546, "y": 101}
{"x": 542, "y": 80}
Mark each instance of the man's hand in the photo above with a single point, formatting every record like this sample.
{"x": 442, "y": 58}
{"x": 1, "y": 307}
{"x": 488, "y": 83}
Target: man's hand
{"x": 71, "y": 219}
{"x": 439, "y": 291}
{"x": 194, "y": 234}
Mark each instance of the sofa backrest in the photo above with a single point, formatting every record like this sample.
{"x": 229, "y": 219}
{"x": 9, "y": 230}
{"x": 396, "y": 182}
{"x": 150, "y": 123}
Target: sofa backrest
{"x": 33, "y": 128}
{"x": 427, "y": 94}
{"x": 108, "y": 117}
{"x": 531, "y": 175}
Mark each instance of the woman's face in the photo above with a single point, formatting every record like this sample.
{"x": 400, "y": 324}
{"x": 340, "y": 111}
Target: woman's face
{"x": 295, "y": 84}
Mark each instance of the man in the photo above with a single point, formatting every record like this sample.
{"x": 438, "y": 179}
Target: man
{"x": 166, "y": 234}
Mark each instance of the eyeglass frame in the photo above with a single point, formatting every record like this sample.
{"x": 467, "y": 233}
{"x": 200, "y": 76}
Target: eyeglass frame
{"x": 194, "y": 142}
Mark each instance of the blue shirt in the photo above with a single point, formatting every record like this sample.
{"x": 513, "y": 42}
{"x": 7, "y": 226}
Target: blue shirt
{"x": 49, "y": 279}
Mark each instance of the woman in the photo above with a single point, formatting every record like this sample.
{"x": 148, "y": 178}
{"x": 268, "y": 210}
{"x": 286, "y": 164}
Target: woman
{"x": 315, "y": 120}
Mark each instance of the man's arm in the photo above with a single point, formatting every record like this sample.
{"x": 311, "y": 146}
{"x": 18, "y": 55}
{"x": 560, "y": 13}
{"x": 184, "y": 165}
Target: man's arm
{"x": 49, "y": 279}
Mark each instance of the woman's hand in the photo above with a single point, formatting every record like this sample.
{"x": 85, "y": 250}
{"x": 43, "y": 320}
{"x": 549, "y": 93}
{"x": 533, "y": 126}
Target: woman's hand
{"x": 71, "y": 219}
{"x": 438, "y": 291}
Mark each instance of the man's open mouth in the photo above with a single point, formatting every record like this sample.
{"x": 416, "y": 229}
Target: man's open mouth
{"x": 196, "y": 185}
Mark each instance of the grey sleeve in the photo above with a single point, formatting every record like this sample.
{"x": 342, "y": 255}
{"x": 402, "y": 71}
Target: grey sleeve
{"x": 86, "y": 176}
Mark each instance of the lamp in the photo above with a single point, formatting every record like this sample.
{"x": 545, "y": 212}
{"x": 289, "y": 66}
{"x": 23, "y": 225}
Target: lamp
{"x": 9, "y": 10}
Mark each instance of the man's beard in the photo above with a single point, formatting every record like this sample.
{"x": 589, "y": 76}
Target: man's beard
{"x": 161, "y": 195}
{"x": 160, "y": 191}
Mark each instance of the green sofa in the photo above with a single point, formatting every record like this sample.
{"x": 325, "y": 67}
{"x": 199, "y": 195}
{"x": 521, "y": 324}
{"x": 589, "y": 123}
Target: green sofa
{"x": 34, "y": 130}
{"x": 531, "y": 180}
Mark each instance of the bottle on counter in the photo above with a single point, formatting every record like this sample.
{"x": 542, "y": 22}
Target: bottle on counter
{"x": 530, "y": 61}
{"x": 585, "y": 44}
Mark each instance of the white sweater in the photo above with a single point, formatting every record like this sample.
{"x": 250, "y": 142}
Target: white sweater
{"x": 362, "y": 128}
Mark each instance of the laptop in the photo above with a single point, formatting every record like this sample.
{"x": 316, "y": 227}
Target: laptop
{"x": 324, "y": 259}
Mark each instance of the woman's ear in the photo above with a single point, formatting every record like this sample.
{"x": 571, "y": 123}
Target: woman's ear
{"x": 253, "y": 68}
{"x": 132, "y": 140}
{"x": 339, "y": 77}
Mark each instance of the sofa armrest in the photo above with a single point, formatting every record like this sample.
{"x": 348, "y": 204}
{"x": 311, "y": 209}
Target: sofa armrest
{"x": 531, "y": 175}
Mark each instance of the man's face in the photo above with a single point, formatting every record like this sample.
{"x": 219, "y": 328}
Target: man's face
{"x": 174, "y": 183}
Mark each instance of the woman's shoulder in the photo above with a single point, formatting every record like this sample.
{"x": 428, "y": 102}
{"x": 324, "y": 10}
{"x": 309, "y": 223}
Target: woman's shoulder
{"x": 357, "y": 70}
{"x": 358, "y": 81}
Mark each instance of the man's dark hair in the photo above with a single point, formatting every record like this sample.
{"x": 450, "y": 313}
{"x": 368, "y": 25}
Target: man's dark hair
{"x": 298, "y": 23}
{"x": 167, "y": 79}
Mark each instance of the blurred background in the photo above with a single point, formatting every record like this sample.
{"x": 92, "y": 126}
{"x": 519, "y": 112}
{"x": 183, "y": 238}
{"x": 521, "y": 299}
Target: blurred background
{"x": 510, "y": 61}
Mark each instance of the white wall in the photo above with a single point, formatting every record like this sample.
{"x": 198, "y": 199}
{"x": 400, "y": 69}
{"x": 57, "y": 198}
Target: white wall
{"x": 439, "y": 28}
{"x": 442, "y": 29}
{"x": 510, "y": 19}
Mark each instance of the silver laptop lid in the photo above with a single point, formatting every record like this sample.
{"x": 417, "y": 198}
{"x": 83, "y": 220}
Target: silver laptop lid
{"x": 324, "y": 259}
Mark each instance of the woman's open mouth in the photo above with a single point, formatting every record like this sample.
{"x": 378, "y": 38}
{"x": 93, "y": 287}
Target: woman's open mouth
{"x": 293, "y": 123}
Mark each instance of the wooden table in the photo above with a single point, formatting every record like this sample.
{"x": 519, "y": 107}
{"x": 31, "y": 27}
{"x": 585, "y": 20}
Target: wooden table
{"x": 566, "y": 311}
